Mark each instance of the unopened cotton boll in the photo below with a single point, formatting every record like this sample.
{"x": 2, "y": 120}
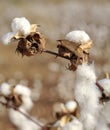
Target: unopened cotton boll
{"x": 8, "y": 37}
{"x": 105, "y": 83}
{"x": 71, "y": 106}
{"x": 75, "y": 124}
{"x": 21, "y": 25}
{"x": 78, "y": 36}
{"x": 5, "y": 89}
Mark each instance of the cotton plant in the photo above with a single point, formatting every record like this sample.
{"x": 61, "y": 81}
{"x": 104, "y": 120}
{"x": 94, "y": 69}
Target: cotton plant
{"x": 87, "y": 90}
{"x": 19, "y": 101}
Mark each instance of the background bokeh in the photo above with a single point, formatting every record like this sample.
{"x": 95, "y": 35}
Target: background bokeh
{"x": 47, "y": 75}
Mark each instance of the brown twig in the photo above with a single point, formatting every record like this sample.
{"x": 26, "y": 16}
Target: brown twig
{"x": 56, "y": 54}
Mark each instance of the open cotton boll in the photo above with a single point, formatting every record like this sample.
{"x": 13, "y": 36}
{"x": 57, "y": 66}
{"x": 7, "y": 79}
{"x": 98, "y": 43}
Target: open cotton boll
{"x": 105, "y": 83}
{"x": 87, "y": 95}
{"x": 22, "y": 90}
{"x": 78, "y": 36}
{"x": 21, "y": 122}
{"x": 71, "y": 106}
{"x": 75, "y": 124}
{"x": 5, "y": 89}
{"x": 6, "y": 39}
{"x": 27, "y": 103}
{"x": 21, "y": 25}
{"x": 25, "y": 93}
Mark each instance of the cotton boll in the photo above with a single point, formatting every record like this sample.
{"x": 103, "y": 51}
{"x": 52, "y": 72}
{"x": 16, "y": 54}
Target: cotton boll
{"x": 25, "y": 96}
{"x": 21, "y": 25}
{"x": 8, "y": 37}
{"x": 78, "y": 36}
{"x": 5, "y": 89}
{"x": 20, "y": 121}
{"x": 27, "y": 103}
{"x": 87, "y": 95}
{"x": 71, "y": 106}
{"x": 75, "y": 124}
{"x": 22, "y": 90}
{"x": 105, "y": 83}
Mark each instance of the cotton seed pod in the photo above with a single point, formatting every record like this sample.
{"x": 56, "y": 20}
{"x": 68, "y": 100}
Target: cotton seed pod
{"x": 25, "y": 48}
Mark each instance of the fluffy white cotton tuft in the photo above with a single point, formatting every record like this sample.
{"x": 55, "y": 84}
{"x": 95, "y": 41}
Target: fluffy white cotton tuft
{"x": 105, "y": 83}
{"x": 5, "y": 89}
{"x": 22, "y": 90}
{"x": 87, "y": 95}
{"x": 27, "y": 103}
{"x": 71, "y": 106}
{"x": 8, "y": 37}
{"x": 21, "y": 122}
{"x": 21, "y": 25}
{"x": 78, "y": 36}
{"x": 25, "y": 96}
{"x": 75, "y": 124}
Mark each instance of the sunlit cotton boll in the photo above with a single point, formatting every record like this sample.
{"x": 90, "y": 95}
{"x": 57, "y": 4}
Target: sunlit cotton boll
{"x": 105, "y": 83}
{"x": 21, "y": 25}
{"x": 78, "y": 36}
{"x": 75, "y": 124}
{"x": 87, "y": 95}
{"x": 71, "y": 106}
{"x": 6, "y": 39}
{"x": 5, "y": 89}
{"x": 25, "y": 93}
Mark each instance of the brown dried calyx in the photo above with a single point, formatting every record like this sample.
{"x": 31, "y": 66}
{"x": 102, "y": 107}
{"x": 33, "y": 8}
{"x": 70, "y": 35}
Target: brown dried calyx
{"x": 77, "y": 52}
{"x": 31, "y": 45}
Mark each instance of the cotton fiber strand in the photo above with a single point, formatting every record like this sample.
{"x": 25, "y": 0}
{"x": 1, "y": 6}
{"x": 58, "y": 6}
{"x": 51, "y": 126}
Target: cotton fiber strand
{"x": 87, "y": 95}
{"x": 8, "y": 37}
{"x": 78, "y": 36}
{"x": 21, "y": 25}
{"x": 5, "y": 89}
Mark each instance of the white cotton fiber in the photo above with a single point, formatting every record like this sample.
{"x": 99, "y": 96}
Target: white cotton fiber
{"x": 87, "y": 95}
{"x": 5, "y": 89}
{"x": 75, "y": 124}
{"x": 7, "y": 38}
{"x": 105, "y": 83}
{"x": 25, "y": 93}
{"x": 22, "y": 90}
{"x": 78, "y": 36}
{"x": 27, "y": 103}
{"x": 21, "y": 122}
{"x": 71, "y": 106}
{"x": 21, "y": 25}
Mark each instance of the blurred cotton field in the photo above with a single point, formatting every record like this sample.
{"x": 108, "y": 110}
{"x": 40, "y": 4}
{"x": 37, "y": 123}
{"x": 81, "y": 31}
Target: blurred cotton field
{"x": 47, "y": 75}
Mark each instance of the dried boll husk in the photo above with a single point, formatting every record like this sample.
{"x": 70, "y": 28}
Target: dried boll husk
{"x": 31, "y": 45}
{"x": 77, "y": 52}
